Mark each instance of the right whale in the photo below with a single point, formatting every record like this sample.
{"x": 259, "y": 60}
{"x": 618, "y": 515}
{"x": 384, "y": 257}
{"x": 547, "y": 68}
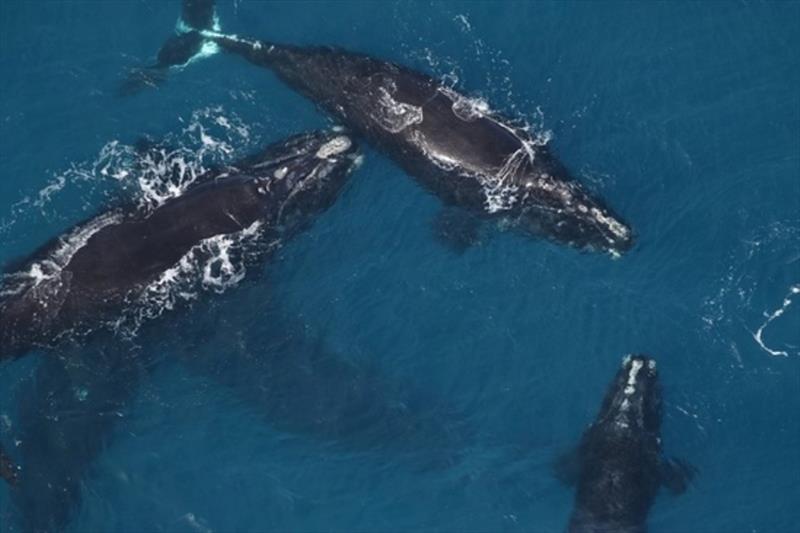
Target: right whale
{"x": 88, "y": 278}
{"x": 619, "y": 466}
{"x": 467, "y": 155}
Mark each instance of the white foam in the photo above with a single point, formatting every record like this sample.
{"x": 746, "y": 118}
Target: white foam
{"x": 464, "y": 21}
{"x": 395, "y": 116}
{"x": 215, "y": 264}
{"x": 500, "y": 189}
{"x": 207, "y": 49}
{"x": 466, "y": 108}
{"x": 50, "y": 267}
{"x": 741, "y": 278}
{"x": 758, "y": 335}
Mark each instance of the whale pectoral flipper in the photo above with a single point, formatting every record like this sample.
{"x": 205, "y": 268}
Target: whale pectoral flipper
{"x": 567, "y": 467}
{"x": 677, "y": 474}
{"x": 187, "y": 44}
{"x": 457, "y": 229}
{"x": 67, "y": 414}
{"x": 9, "y": 471}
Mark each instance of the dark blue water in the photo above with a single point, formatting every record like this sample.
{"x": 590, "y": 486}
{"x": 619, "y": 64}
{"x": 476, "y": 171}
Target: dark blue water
{"x": 686, "y": 117}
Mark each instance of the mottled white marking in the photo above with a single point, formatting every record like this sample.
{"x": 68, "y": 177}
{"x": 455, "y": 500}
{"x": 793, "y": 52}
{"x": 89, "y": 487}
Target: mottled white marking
{"x": 395, "y": 116}
{"x": 612, "y": 225}
{"x": 335, "y": 146}
{"x": 281, "y": 172}
{"x": 467, "y": 109}
{"x": 636, "y": 365}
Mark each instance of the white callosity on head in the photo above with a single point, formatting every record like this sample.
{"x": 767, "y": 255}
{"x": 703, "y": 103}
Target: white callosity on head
{"x": 609, "y": 223}
{"x": 335, "y": 146}
{"x": 636, "y": 365}
{"x": 622, "y": 420}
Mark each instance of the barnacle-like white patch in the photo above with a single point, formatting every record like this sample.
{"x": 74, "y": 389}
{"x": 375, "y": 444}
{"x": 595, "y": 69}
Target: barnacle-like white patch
{"x": 612, "y": 225}
{"x": 395, "y": 116}
{"x": 636, "y": 365}
{"x": 335, "y": 146}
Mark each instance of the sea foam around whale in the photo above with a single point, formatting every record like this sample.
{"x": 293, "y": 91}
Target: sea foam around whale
{"x": 149, "y": 176}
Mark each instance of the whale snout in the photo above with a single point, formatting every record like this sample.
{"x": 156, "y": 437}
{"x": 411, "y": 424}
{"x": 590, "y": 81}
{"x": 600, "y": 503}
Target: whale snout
{"x": 335, "y": 147}
{"x": 311, "y": 171}
{"x": 634, "y": 397}
{"x": 597, "y": 229}
{"x": 565, "y": 213}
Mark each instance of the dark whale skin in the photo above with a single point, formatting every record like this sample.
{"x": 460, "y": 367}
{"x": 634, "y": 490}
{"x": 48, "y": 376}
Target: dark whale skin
{"x": 468, "y": 157}
{"x": 619, "y": 465}
{"x": 86, "y": 276}
{"x": 458, "y": 149}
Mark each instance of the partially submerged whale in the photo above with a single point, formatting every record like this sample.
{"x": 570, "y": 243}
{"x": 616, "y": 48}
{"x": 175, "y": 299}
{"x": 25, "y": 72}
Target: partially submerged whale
{"x": 8, "y": 470}
{"x": 464, "y": 153}
{"x": 619, "y": 465}
{"x": 81, "y": 280}
{"x": 77, "y": 402}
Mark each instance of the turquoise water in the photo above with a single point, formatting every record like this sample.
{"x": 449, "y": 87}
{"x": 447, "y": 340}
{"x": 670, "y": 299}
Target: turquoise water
{"x": 686, "y": 117}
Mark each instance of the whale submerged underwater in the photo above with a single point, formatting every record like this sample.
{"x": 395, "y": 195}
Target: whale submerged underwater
{"x": 468, "y": 156}
{"x": 79, "y": 280}
{"x": 471, "y": 158}
{"x": 71, "y": 291}
{"x": 619, "y": 464}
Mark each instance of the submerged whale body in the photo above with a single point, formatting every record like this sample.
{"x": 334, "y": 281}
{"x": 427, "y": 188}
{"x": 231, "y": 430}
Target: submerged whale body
{"x": 83, "y": 278}
{"x": 619, "y": 465}
{"x": 465, "y": 154}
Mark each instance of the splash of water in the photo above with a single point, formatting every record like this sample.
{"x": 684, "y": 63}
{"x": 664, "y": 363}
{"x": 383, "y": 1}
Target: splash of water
{"x": 723, "y": 312}
{"x": 215, "y": 264}
{"x": 211, "y": 136}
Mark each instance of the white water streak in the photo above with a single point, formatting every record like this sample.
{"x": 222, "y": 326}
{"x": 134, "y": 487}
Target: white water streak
{"x": 758, "y": 335}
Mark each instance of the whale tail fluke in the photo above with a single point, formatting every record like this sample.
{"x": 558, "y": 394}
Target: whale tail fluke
{"x": 187, "y": 44}
{"x": 199, "y": 14}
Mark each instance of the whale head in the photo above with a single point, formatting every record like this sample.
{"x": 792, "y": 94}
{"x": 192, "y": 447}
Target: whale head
{"x": 560, "y": 208}
{"x": 633, "y": 400}
{"x": 306, "y": 172}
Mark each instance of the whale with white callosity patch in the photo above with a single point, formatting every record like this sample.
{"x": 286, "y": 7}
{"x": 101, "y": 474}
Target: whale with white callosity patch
{"x": 86, "y": 277}
{"x": 467, "y": 155}
{"x": 619, "y": 464}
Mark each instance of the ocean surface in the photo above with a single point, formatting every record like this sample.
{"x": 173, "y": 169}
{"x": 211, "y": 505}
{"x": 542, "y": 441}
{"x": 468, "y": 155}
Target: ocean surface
{"x": 481, "y": 367}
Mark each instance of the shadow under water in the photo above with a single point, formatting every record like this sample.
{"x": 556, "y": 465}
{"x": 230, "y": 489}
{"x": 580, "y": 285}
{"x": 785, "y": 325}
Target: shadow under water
{"x": 69, "y": 409}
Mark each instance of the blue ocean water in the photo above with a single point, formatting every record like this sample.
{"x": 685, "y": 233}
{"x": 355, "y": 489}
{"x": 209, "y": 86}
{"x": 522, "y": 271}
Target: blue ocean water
{"x": 685, "y": 116}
